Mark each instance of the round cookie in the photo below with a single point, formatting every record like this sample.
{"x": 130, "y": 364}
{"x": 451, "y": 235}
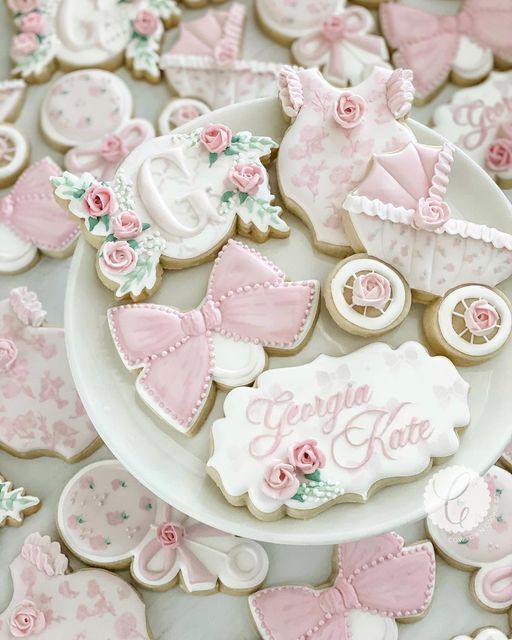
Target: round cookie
{"x": 14, "y": 154}
{"x": 180, "y": 111}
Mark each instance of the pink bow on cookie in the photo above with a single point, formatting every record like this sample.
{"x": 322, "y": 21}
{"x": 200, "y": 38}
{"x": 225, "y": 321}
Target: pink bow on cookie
{"x": 31, "y": 211}
{"x": 497, "y": 586}
{"x": 428, "y": 44}
{"x": 377, "y": 575}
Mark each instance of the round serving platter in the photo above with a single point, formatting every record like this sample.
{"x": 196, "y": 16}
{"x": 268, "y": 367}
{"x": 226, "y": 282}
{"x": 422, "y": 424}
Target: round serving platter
{"x": 173, "y": 466}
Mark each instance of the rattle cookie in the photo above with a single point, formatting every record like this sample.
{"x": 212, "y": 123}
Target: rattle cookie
{"x": 49, "y": 602}
{"x": 88, "y": 115}
{"x": 75, "y": 34}
{"x": 108, "y": 519}
{"x": 180, "y": 111}
{"x": 250, "y": 310}
{"x": 337, "y": 429}
{"x": 15, "y": 504}
{"x": 375, "y": 583}
{"x": 14, "y": 148}
{"x": 172, "y": 204}
{"x": 41, "y": 411}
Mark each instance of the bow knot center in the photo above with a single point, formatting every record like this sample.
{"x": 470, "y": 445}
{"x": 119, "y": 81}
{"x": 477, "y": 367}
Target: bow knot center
{"x": 460, "y": 23}
{"x": 199, "y": 321}
{"x": 341, "y": 597}
{"x": 170, "y": 534}
{"x": 339, "y": 27}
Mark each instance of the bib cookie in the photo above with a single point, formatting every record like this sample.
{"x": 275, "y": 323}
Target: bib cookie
{"x": 15, "y": 504}
{"x": 14, "y": 149}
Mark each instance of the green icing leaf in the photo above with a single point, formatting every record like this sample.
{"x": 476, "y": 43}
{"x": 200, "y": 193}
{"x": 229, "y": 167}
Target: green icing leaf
{"x": 133, "y": 243}
{"x": 92, "y": 222}
{"x": 213, "y": 158}
{"x": 230, "y": 152}
{"x": 315, "y": 476}
{"x": 110, "y": 238}
{"x": 242, "y": 196}
{"x": 227, "y": 195}
{"x": 106, "y": 221}
{"x": 145, "y": 226}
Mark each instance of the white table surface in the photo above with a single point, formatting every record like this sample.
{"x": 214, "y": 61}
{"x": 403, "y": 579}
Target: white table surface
{"x": 175, "y": 614}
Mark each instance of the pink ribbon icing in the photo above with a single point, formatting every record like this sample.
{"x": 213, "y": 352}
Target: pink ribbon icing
{"x": 494, "y": 586}
{"x": 31, "y": 211}
{"x": 428, "y": 44}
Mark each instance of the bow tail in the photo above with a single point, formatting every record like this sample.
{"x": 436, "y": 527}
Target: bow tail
{"x": 85, "y": 158}
{"x": 492, "y": 28}
{"x": 401, "y": 24}
{"x": 147, "y": 555}
{"x": 497, "y": 585}
{"x": 365, "y": 50}
{"x": 311, "y": 49}
{"x": 197, "y": 572}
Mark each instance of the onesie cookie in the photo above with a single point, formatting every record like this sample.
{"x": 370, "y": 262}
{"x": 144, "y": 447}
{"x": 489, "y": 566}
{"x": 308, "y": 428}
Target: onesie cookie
{"x": 305, "y": 438}
{"x": 326, "y": 150}
{"x": 88, "y": 115}
{"x": 41, "y": 411}
{"x": 461, "y": 48}
{"x": 173, "y": 203}
{"x": 14, "y": 148}
{"x": 74, "y": 34}
{"x": 15, "y": 504}
{"x": 180, "y": 111}
{"x": 249, "y": 310}
{"x": 479, "y": 121}
{"x": 49, "y": 602}
{"x": 31, "y": 223}
{"x": 487, "y": 549}
{"x": 375, "y": 583}
{"x": 108, "y": 519}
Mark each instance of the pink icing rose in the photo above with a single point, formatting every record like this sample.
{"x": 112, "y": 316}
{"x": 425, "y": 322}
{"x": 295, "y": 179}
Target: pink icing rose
{"x": 113, "y": 148}
{"x": 499, "y": 155}
{"x": 145, "y": 23}
{"x": 119, "y": 257}
{"x": 24, "y": 44}
{"x": 26, "y": 620}
{"x": 349, "y": 110}
{"x": 126, "y": 225}
{"x": 247, "y": 177}
{"x": 216, "y": 137}
{"x": 306, "y": 456}
{"x": 23, "y": 6}
{"x": 334, "y": 28}
{"x": 481, "y": 318}
{"x": 280, "y": 481}
{"x": 170, "y": 534}
{"x": 371, "y": 290}
{"x": 8, "y": 353}
{"x": 99, "y": 201}
{"x": 430, "y": 214}
{"x": 184, "y": 114}
{"x": 33, "y": 23}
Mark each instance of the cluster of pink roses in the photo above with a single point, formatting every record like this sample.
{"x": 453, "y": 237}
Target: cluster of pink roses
{"x": 280, "y": 479}
{"x": 32, "y": 25}
{"x": 145, "y": 23}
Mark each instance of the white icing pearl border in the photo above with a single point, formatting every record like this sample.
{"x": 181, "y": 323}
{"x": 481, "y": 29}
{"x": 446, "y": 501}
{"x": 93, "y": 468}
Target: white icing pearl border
{"x": 20, "y": 154}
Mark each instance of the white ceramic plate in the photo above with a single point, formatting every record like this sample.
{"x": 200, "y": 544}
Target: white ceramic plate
{"x": 173, "y": 466}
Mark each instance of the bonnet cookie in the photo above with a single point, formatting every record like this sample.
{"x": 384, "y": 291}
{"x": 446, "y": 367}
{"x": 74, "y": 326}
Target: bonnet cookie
{"x": 173, "y": 203}
{"x": 14, "y": 149}
{"x": 180, "y": 111}
{"x": 374, "y": 583}
{"x": 41, "y": 413}
{"x": 479, "y": 121}
{"x": 15, "y": 504}
{"x": 88, "y": 115}
{"x": 487, "y": 549}
{"x": 49, "y": 602}
{"x": 337, "y": 429}
{"x": 108, "y": 519}
{"x": 74, "y": 34}
{"x": 250, "y": 309}
{"x": 333, "y": 134}
{"x": 463, "y": 48}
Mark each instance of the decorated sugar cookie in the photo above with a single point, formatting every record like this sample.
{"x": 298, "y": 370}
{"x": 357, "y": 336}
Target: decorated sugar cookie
{"x": 304, "y": 438}
{"x": 205, "y": 61}
{"x": 108, "y": 519}
{"x": 249, "y": 308}
{"x": 40, "y": 411}
{"x": 15, "y": 504}
{"x": 479, "y": 121}
{"x": 31, "y": 223}
{"x": 407, "y": 240}
{"x": 463, "y": 48}
{"x": 488, "y": 633}
{"x": 506, "y": 457}
{"x": 86, "y": 33}
{"x": 289, "y": 20}
{"x": 180, "y": 111}
{"x": 173, "y": 202}
{"x": 48, "y": 602}
{"x": 486, "y": 550}
{"x": 327, "y": 149}
{"x": 14, "y": 149}
{"x": 88, "y": 114}
{"x": 375, "y": 583}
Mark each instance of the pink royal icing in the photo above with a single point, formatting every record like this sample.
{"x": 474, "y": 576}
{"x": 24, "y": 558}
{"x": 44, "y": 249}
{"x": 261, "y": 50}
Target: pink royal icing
{"x": 481, "y": 318}
{"x": 371, "y": 290}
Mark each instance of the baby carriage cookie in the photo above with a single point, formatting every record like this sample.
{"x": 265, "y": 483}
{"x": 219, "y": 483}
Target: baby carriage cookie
{"x": 406, "y": 240}
{"x": 334, "y": 133}
{"x": 14, "y": 149}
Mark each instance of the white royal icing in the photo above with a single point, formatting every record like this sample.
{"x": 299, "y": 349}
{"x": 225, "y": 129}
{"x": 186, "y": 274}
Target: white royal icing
{"x": 15, "y": 156}
{"x": 291, "y": 20}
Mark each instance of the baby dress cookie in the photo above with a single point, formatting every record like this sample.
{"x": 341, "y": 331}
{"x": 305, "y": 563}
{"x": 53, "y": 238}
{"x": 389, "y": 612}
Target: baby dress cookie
{"x": 180, "y": 111}
{"x": 49, "y": 602}
{"x": 326, "y": 150}
{"x": 488, "y": 633}
{"x": 108, "y": 519}
{"x": 14, "y": 149}
{"x": 40, "y": 411}
{"x": 479, "y": 121}
{"x": 204, "y": 62}
{"x": 249, "y": 309}
{"x": 88, "y": 114}
{"x": 463, "y": 48}
{"x": 15, "y": 504}
{"x": 408, "y": 240}
{"x": 374, "y": 583}
{"x": 336, "y": 429}
{"x": 173, "y": 203}
{"x": 31, "y": 223}
{"x": 74, "y": 34}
